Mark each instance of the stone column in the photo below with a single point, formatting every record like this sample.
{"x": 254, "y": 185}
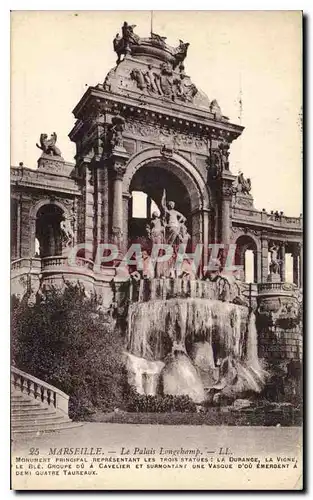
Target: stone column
{"x": 282, "y": 263}
{"x": 258, "y": 257}
{"x": 295, "y": 264}
{"x": 89, "y": 210}
{"x": 206, "y": 216}
{"x": 225, "y": 211}
{"x": 264, "y": 257}
{"x": 127, "y": 200}
{"x": 149, "y": 201}
{"x": 227, "y": 180}
{"x": 117, "y": 217}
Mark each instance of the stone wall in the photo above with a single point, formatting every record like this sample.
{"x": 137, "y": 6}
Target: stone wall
{"x": 281, "y": 345}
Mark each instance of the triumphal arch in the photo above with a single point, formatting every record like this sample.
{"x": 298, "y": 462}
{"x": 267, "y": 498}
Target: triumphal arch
{"x": 147, "y": 128}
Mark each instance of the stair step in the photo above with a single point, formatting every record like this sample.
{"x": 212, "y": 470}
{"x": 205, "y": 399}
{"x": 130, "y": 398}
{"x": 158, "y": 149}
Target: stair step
{"x": 32, "y": 416}
{"x": 31, "y": 407}
{"x": 38, "y": 425}
{"x": 26, "y": 404}
{"x": 42, "y": 418}
{"x": 45, "y": 428}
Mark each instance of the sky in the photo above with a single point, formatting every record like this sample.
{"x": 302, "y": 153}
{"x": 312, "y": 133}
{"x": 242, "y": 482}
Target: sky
{"x": 56, "y": 55}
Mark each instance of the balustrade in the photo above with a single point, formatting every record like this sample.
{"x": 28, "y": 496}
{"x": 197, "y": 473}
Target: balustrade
{"x": 39, "y": 390}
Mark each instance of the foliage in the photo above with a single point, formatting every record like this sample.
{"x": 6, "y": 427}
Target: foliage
{"x": 66, "y": 340}
{"x": 161, "y": 404}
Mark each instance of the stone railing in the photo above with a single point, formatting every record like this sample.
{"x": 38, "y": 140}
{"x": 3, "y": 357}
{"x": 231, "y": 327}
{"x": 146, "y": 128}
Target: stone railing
{"x": 144, "y": 290}
{"x": 266, "y": 218}
{"x": 276, "y": 287}
{"x": 30, "y": 264}
{"x": 39, "y": 390}
{"x": 62, "y": 261}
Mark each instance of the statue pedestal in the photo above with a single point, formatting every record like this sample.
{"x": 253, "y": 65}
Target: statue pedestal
{"x": 274, "y": 278}
{"x": 50, "y": 163}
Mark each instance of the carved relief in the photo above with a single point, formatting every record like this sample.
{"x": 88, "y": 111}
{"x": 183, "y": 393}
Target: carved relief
{"x": 158, "y": 134}
{"x": 274, "y": 311}
{"x": 164, "y": 82}
{"x": 245, "y": 230}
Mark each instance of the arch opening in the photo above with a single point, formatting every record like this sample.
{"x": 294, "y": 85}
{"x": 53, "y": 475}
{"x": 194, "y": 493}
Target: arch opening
{"x": 48, "y": 235}
{"x": 147, "y": 189}
{"x": 246, "y": 257}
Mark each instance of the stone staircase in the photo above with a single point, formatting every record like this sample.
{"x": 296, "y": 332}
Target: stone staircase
{"x": 37, "y": 407}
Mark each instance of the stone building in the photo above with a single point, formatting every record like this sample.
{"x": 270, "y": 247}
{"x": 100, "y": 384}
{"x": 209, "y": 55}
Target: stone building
{"x": 145, "y": 129}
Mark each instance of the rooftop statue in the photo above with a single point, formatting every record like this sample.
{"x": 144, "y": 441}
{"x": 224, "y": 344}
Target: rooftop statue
{"x": 122, "y": 45}
{"x": 48, "y": 146}
{"x": 242, "y": 185}
{"x": 180, "y": 53}
{"x": 157, "y": 39}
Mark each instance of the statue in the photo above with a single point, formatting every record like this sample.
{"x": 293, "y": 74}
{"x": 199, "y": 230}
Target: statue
{"x": 180, "y": 53}
{"x": 157, "y": 39}
{"x": 67, "y": 233}
{"x": 185, "y": 91}
{"x": 224, "y": 154}
{"x": 174, "y": 220}
{"x": 215, "y": 109}
{"x": 122, "y": 45}
{"x": 153, "y": 80}
{"x": 242, "y": 185}
{"x": 166, "y": 80}
{"x": 48, "y": 145}
{"x": 137, "y": 75}
{"x": 275, "y": 263}
{"x": 214, "y": 163}
{"x": 128, "y": 33}
{"x": 117, "y": 42}
{"x": 184, "y": 236}
{"x": 115, "y": 132}
{"x": 147, "y": 266}
{"x": 156, "y": 229}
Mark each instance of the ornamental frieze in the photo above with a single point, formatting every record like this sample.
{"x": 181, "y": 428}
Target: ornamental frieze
{"x": 245, "y": 230}
{"x": 167, "y": 136}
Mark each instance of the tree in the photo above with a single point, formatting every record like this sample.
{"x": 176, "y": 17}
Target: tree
{"x": 66, "y": 340}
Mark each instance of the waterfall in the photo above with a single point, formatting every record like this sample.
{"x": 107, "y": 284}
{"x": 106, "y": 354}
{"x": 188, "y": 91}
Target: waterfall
{"x": 197, "y": 343}
{"x": 252, "y": 359}
{"x": 252, "y": 343}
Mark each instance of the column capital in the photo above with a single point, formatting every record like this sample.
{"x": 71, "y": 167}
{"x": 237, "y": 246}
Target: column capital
{"x": 226, "y": 184}
{"x": 119, "y": 171}
{"x": 118, "y": 160}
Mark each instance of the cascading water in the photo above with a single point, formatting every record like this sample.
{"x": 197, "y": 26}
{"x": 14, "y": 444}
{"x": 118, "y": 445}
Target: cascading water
{"x": 191, "y": 346}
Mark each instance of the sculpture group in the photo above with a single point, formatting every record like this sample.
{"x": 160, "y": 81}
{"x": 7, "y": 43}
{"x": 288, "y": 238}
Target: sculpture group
{"x": 165, "y": 83}
{"x": 169, "y": 227}
{"x": 161, "y": 81}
